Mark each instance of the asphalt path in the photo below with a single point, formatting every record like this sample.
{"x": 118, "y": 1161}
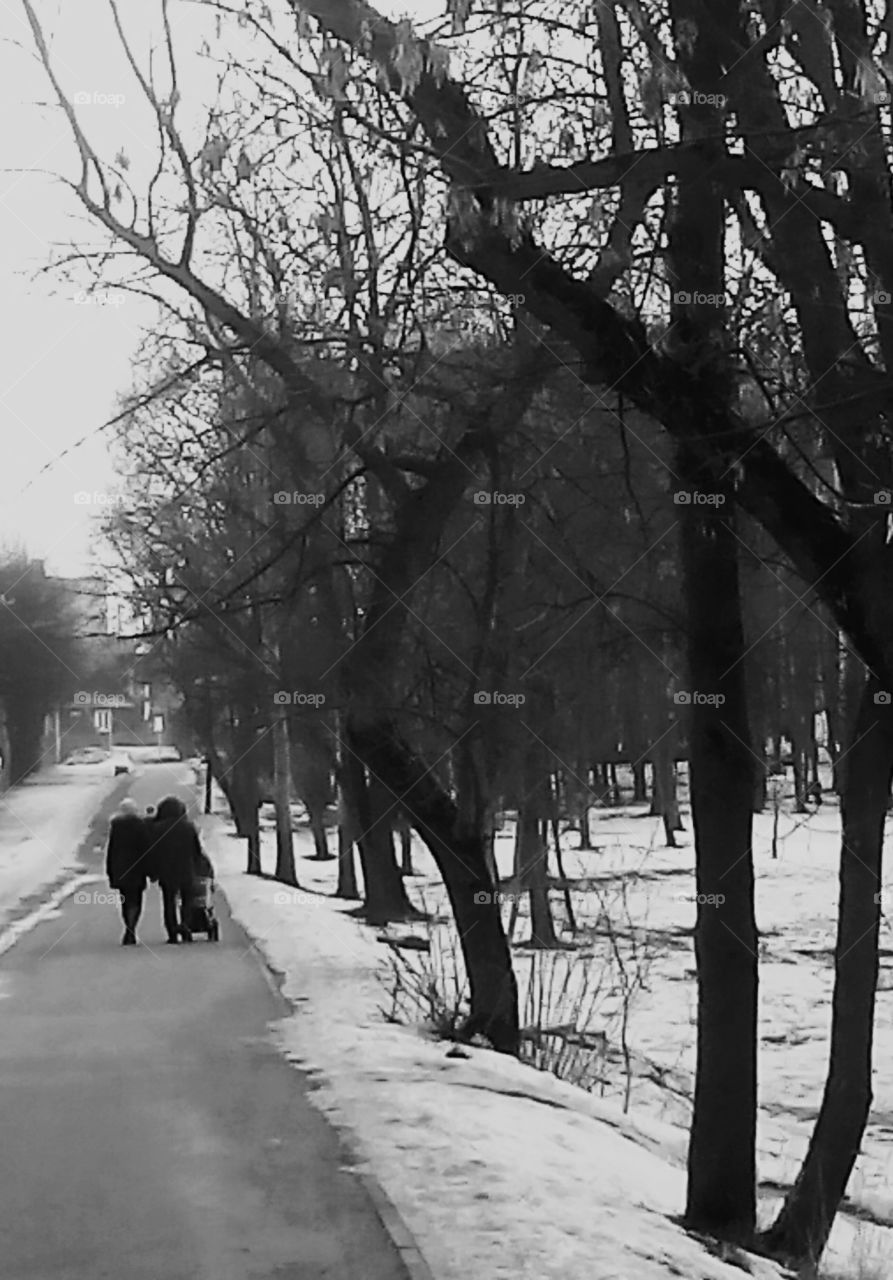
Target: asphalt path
{"x": 148, "y": 1128}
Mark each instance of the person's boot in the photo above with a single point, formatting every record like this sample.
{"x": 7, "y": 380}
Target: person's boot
{"x": 130, "y": 918}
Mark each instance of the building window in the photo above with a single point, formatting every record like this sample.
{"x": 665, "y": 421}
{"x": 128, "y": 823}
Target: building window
{"x": 102, "y": 720}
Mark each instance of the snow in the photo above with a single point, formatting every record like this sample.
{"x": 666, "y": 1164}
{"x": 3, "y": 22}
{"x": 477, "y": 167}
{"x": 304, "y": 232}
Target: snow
{"x": 42, "y": 824}
{"x": 503, "y": 1171}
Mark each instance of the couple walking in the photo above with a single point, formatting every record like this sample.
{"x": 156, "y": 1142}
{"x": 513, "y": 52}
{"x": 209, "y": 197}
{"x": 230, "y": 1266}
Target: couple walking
{"x": 164, "y": 847}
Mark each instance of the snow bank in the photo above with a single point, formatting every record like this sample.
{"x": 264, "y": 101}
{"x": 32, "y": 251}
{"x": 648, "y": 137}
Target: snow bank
{"x": 500, "y": 1172}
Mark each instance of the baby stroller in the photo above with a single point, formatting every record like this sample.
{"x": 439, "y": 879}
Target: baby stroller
{"x": 201, "y": 908}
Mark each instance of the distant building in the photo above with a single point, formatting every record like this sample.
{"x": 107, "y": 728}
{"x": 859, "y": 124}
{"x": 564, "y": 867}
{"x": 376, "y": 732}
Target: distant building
{"x": 121, "y": 702}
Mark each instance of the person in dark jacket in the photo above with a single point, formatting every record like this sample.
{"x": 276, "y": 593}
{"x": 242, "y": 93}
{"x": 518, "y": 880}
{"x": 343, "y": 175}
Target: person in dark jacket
{"x": 175, "y": 852}
{"x": 127, "y": 860}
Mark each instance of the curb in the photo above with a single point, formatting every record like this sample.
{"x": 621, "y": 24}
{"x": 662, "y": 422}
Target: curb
{"x": 401, "y": 1237}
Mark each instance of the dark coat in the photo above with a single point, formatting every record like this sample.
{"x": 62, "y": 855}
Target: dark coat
{"x": 127, "y": 856}
{"x": 175, "y": 852}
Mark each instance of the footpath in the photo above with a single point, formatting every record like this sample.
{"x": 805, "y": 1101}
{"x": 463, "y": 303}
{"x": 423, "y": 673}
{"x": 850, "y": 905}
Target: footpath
{"x": 148, "y": 1124}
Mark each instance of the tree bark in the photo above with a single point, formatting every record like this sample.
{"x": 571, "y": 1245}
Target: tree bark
{"x": 320, "y": 838}
{"x": 804, "y": 1224}
{"x": 347, "y": 830}
{"x": 721, "y": 1157}
{"x": 585, "y": 832}
{"x": 347, "y": 870}
{"x": 285, "y": 851}
{"x": 461, "y": 858}
{"x": 665, "y": 801}
{"x": 404, "y": 831}
{"x": 533, "y": 876}
{"x": 801, "y": 760}
{"x": 760, "y": 788}
{"x": 384, "y": 892}
{"x": 239, "y": 785}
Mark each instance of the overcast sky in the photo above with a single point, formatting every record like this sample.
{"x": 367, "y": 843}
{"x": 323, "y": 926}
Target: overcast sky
{"x": 65, "y": 359}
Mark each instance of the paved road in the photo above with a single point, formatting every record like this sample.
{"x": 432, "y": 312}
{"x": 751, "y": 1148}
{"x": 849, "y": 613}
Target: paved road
{"x": 147, "y": 1129}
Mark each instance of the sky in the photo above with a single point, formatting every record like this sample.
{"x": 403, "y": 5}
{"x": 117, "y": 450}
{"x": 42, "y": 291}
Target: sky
{"x": 65, "y": 359}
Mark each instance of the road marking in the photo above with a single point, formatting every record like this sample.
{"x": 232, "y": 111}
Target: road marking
{"x": 10, "y": 936}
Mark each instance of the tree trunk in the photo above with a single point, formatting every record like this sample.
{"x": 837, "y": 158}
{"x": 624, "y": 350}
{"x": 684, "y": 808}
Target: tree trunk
{"x": 721, "y": 1156}
{"x": 533, "y": 876}
{"x": 799, "y": 757}
{"x": 285, "y": 851}
{"x": 760, "y": 783}
{"x": 347, "y": 870}
{"x": 565, "y": 884}
{"x": 239, "y": 785}
{"x": 802, "y": 1228}
{"x": 490, "y": 844}
{"x": 320, "y": 839}
{"x": 461, "y": 858}
{"x": 385, "y": 895}
{"x": 585, "y": 832}
{"x": 665, "y": 801}
{"x": 851, "y": 695}
{"x": 405, "y": 833}
{"x": 640, "y": 790}
{"x": 814, "y": 777}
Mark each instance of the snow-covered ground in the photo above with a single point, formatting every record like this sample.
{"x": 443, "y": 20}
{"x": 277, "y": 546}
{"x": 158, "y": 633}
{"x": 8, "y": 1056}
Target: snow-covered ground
{"x": 42, "y": 824}
{"x": 503, "y": 1171}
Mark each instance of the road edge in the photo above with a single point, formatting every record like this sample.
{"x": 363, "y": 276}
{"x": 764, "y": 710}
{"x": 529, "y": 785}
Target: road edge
{"x": 404, "y": 1242}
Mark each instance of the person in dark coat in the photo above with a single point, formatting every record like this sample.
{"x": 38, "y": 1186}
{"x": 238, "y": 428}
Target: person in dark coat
{"x": 175, "y": 853}
{"x": 127, "y": 864}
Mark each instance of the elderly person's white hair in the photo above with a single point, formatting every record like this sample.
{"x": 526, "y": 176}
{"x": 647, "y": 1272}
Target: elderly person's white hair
{"x": 128, "y": 807}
